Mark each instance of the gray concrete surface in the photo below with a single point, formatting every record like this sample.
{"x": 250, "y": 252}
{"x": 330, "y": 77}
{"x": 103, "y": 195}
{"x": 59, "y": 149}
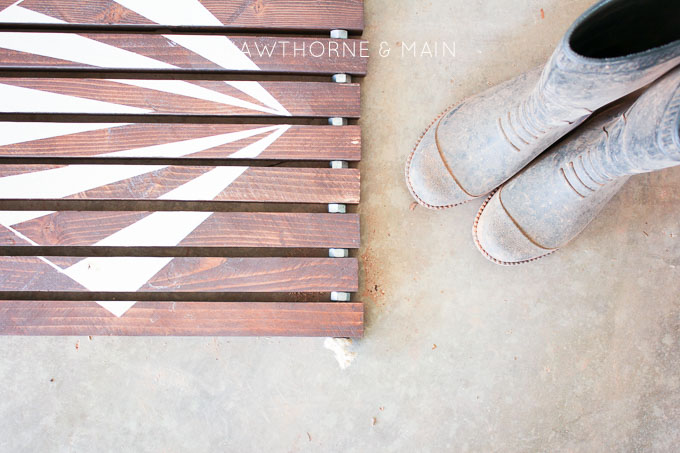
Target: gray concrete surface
{"x": 577, "y": 352}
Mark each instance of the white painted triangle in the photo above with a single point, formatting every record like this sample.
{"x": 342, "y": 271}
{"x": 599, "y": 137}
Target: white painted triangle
{"x": 16, "y": 14}
{"x": 117, "y": 307}
{"x": 158, "y": 229}
{"x": 77, "y": 48}
{"x": 255, "y": 149}
{"x": 17, "y": 99}
{"x": 206, "y": 186}
{"x": 257, "y": 91}
{"x": 183, "y": 88}
{"x": 116, "y": 273}
{"x": 20, "y": 132}
{"x": 9, "y": 218}
{"x": 218, "y": 49}
{"x": 64, "y": 181}
{"x": 191, "y": 146}
{"x": 177, "y": 12}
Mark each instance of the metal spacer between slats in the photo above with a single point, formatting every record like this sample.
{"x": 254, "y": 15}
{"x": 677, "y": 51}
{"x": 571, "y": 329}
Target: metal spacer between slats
{"x": 339, "y": 296}
{"x": 340, "y": 78}
{"x": 339, "y": 208}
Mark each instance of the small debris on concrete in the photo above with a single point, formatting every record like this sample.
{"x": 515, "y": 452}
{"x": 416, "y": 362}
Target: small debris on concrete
{"x": 542, "y": 14}
{"x": 341, "y": 347}
{"x": 382, "y": 408}
{"x": 645, "y": 233}
{"x": 413, "y": 206}
{"x": 90, "y": 337}
{"x": 434, "y": 346}
{"x": 77, "y": 345}
{"x": 374, "y": 421}
{"x": 52, "y": 380}
{"x": 309, "y": 436}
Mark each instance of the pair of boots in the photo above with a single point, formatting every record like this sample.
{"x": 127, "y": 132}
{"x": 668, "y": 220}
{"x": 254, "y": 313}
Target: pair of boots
{"x": 615, "y": 48}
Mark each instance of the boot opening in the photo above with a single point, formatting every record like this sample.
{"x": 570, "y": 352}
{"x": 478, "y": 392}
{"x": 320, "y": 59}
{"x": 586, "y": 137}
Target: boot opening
{"x": 625, "y": 27}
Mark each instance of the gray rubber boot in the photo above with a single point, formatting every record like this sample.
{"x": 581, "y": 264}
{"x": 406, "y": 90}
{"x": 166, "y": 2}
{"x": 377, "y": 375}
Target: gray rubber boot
{"x": 613, "y": 49}
{"x": 555, "y": 197}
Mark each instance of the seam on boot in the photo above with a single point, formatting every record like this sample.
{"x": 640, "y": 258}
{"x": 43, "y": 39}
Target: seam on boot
{"x": 410, "y": 158}
{"x": 485, "y": 253}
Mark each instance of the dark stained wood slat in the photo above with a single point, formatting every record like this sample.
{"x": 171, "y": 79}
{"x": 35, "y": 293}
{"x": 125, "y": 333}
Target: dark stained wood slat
{"x": 253, "y": 14}
{"x": 25, "y": 317}
{"x": 220, "y": 229}
{"x": 289, "y": 55}
{"x": 179, "y": 275}
{"x": 179, "y": 183}
{"x": 104, "y": 140}
{"x": 306, "y": 99}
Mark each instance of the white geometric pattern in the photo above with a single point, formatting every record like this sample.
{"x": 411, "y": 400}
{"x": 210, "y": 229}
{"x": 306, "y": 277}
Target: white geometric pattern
{"x": 127, "y": 274}
{"x": 156, "y": 229}
{"x": 73, "y": 47}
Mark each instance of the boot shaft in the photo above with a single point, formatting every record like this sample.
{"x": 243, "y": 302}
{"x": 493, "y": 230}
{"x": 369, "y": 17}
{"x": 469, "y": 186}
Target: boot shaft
{"x": 646, "y": 137}
{"x": 613, "y": 49}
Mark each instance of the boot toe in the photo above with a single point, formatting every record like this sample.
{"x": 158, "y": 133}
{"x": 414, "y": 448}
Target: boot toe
{"x": 500, "y": 238}
{"x": 428, "y": 179}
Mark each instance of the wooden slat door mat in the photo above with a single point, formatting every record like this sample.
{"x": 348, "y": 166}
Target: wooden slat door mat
{"x": 185, "y": 203}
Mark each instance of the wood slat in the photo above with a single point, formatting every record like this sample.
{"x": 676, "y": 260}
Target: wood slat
{"x": 179, "y": 183}
{"x": 19, "y": 274}
{"x": 208, "y": 53}
{"x": 312, "y": 15}
{"x": 220, "y": 229}
{"x": 176, "y": 97}
{"x": 56, "y": 140}
{"x": 24, "y": 317}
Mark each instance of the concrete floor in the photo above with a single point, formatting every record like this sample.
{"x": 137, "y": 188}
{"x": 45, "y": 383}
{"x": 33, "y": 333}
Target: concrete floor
{"x": 577, "y": 352}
